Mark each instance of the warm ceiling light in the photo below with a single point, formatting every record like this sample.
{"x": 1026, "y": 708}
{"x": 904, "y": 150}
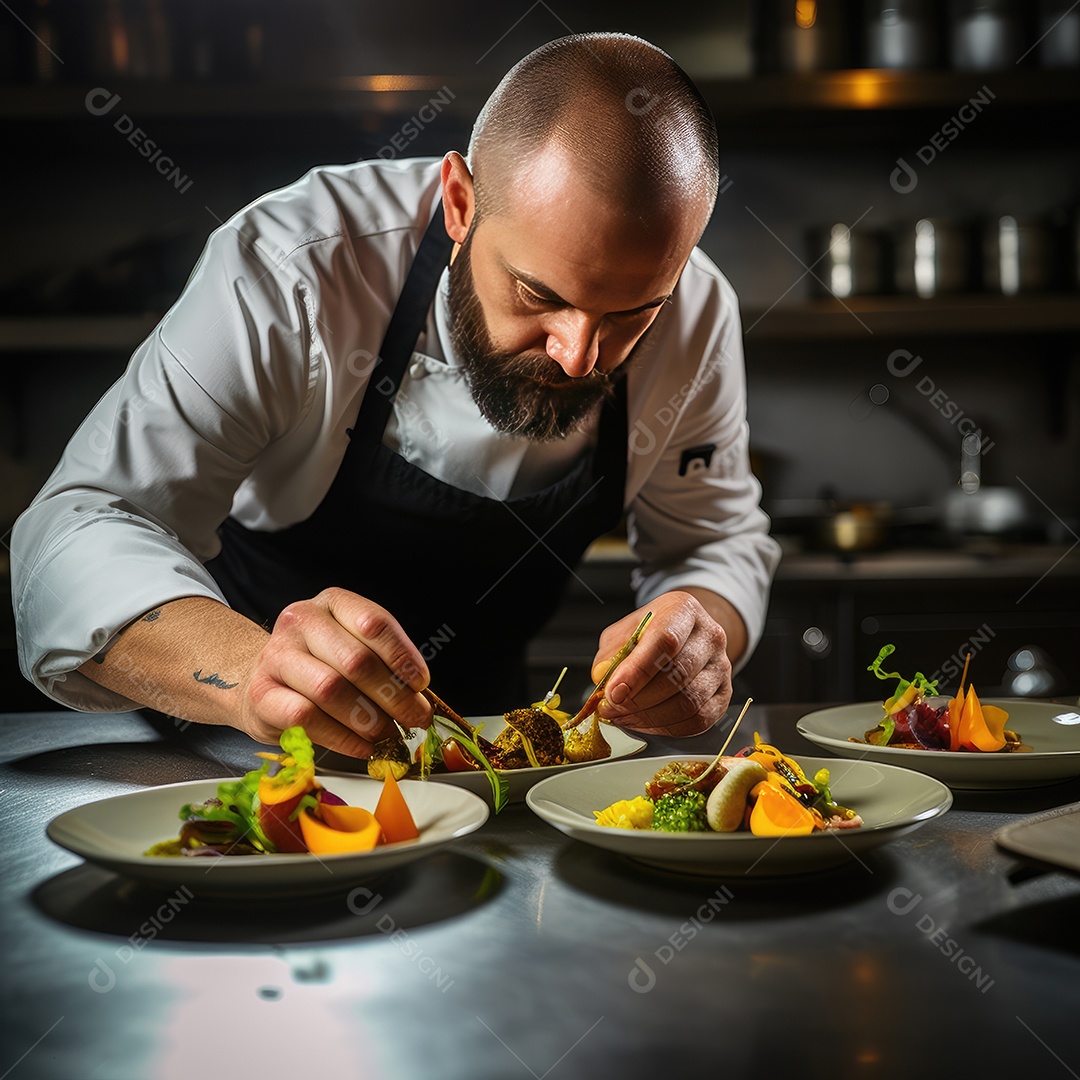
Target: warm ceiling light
{"x": 805, "y": 13}
{"x": 389, "y": 82}
{"x": 866, "y": 89}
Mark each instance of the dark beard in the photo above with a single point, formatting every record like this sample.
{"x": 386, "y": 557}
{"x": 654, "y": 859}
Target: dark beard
{"x": 523, "y": 394}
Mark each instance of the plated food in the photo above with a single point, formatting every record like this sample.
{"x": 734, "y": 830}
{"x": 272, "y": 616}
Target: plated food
{"x": 514, "y": 783}
{"x": 1050, "y": 731}
{"x": 759, "y": 790}
{"x": 917, "y": 718}
{"x": 501, "y": 757}
{"x": 890, "y": 801}
{"x": 286, "y": 810}
{"x": 115, "y": 833}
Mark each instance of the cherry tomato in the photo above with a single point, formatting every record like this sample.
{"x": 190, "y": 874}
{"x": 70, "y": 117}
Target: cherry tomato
{"x": 455, "y": 758}
{"x": 284, "y": 834}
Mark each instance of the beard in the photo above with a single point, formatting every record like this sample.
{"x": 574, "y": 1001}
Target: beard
{"x": 525, "y": 394}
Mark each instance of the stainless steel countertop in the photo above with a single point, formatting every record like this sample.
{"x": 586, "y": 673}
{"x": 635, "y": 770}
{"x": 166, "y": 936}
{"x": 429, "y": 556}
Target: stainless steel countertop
{"x": 518, "y": 952}
{"x": 977, "y": 560}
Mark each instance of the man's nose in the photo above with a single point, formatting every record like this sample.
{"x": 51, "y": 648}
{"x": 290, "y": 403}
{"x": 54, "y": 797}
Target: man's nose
{"x": 574, "y": 344}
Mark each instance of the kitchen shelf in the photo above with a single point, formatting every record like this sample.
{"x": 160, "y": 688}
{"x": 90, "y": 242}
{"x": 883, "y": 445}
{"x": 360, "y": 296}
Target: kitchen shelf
{"x": 856, "y": 318}
{"x": 732, "y": 99}
{"x": 146, "y": 99}
{"x": 862, "y": 89}
{"x": 863, "y": 317}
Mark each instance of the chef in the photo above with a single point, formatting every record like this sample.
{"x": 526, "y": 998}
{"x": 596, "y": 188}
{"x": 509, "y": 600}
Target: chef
{"x": 393, "y": 405}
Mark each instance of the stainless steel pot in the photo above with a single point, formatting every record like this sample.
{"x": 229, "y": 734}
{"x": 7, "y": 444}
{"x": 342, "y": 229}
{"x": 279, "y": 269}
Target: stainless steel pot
{"x": 855, "y": 527}
{"x": 1018, "y": 255}
{"x": 900, "y": 34}
{"x": 803, "y": 35}
{"x": 986, "y": 35}
{"x": 854, "y": 262}
{"x": 988, "y": 511}
{"x": 1059, "y": 34}
{"x": 933, "y": 257}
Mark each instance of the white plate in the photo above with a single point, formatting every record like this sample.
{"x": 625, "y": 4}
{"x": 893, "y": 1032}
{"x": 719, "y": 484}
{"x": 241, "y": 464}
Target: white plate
{"x": 891, "y": 802}
{"x": 622, "y": 743}
{"x": 115, "y": 832}
{"x": 1054, "y": 740}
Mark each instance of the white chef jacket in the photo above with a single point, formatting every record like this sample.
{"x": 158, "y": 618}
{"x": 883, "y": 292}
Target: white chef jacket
{"x": 239, "y": 400}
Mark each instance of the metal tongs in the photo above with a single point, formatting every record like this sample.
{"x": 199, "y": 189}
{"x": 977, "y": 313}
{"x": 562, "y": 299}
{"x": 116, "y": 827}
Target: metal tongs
{"x": 597, "y": 694}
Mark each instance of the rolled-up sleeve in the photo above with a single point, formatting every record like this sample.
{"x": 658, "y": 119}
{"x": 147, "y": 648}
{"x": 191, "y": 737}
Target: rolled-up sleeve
{"x": 695, "y": 518}
{"x": 130, "y": 513}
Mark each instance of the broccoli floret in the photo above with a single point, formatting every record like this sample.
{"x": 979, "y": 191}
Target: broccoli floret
{"x": 681, "y": 811}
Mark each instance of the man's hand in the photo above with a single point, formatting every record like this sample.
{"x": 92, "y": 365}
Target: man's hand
{"x": 677, "y": 681}
{"x": 340, "y": 666}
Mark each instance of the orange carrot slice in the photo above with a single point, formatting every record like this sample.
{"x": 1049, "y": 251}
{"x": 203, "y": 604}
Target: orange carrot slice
{"x": 343, "y": 828}
{"x": 393, "y": 813}
{"x": 990, "y": 735}
{"x": 974, "y": 733}
{"x": 271, "y": 792}
{"x": 996, "y": 719}
{"x": 967, "y": 713}
{"x": 777, "y": 813}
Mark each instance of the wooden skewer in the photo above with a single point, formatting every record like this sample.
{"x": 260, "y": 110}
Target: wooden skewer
{"x": 715, "y": 763}
{"x": 963, "y": 677}
{"x": 593, "y": 700}
{"x": 735, "y": 727}
{"x": 443, "y": 709}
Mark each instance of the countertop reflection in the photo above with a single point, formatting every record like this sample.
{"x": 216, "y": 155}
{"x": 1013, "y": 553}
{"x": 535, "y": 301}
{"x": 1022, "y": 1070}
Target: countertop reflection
{"x": 517, "y": 951}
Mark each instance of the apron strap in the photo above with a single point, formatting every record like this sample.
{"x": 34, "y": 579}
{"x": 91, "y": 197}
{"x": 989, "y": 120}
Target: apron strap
{"x": 406, "y": 325}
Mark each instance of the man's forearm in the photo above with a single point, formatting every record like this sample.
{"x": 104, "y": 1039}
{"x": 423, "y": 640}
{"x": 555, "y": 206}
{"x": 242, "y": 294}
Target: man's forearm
{"x": 727, "y": 617}
{"x": 189, "y": 658}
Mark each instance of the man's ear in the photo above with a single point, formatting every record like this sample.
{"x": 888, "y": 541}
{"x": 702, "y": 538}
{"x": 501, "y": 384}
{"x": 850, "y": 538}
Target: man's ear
{"x": 458, "y": 196}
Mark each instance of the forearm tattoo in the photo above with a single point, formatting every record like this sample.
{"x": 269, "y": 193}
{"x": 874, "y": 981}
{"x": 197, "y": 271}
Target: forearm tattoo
{"x": 214, "y": 680}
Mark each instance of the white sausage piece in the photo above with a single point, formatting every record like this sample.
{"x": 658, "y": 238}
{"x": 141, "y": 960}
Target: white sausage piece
{"x": 727, "y": 801}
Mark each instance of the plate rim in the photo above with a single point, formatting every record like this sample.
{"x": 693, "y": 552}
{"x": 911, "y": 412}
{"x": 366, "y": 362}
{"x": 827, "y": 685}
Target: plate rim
{"x": 941, "y": 807}
{"x": 481, "y": 814}
{"x": 940, "y": 755}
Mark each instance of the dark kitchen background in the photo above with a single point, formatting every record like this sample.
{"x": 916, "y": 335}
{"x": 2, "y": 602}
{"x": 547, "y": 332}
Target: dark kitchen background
{"x": 899, "y": 215}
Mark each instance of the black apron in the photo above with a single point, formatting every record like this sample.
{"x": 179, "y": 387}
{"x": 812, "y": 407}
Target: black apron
{"x": 471, "y": 579}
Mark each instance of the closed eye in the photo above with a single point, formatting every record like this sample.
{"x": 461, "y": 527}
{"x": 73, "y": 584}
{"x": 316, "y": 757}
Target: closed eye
{"x": 527, "y": 296}
{"x": 535, "y": 300}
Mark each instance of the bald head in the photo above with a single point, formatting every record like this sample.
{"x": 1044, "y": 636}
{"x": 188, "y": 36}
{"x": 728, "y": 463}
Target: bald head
{"x": 616, "y": 110}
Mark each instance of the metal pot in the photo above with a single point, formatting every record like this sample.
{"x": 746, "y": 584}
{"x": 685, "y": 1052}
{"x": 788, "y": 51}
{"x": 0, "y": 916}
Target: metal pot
{"x": 933, "y": 257}
{"x": 901, "y": 34}
{"x": 1059, "y": 34}
{"x": 854, "y": 527}
{"x": 987, "y": 511}
{"x": 854, "y": 263}
{"x": 987, "y": 35}
{"x": 808, "y": 35}
{"x": 1018, "y": 255}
